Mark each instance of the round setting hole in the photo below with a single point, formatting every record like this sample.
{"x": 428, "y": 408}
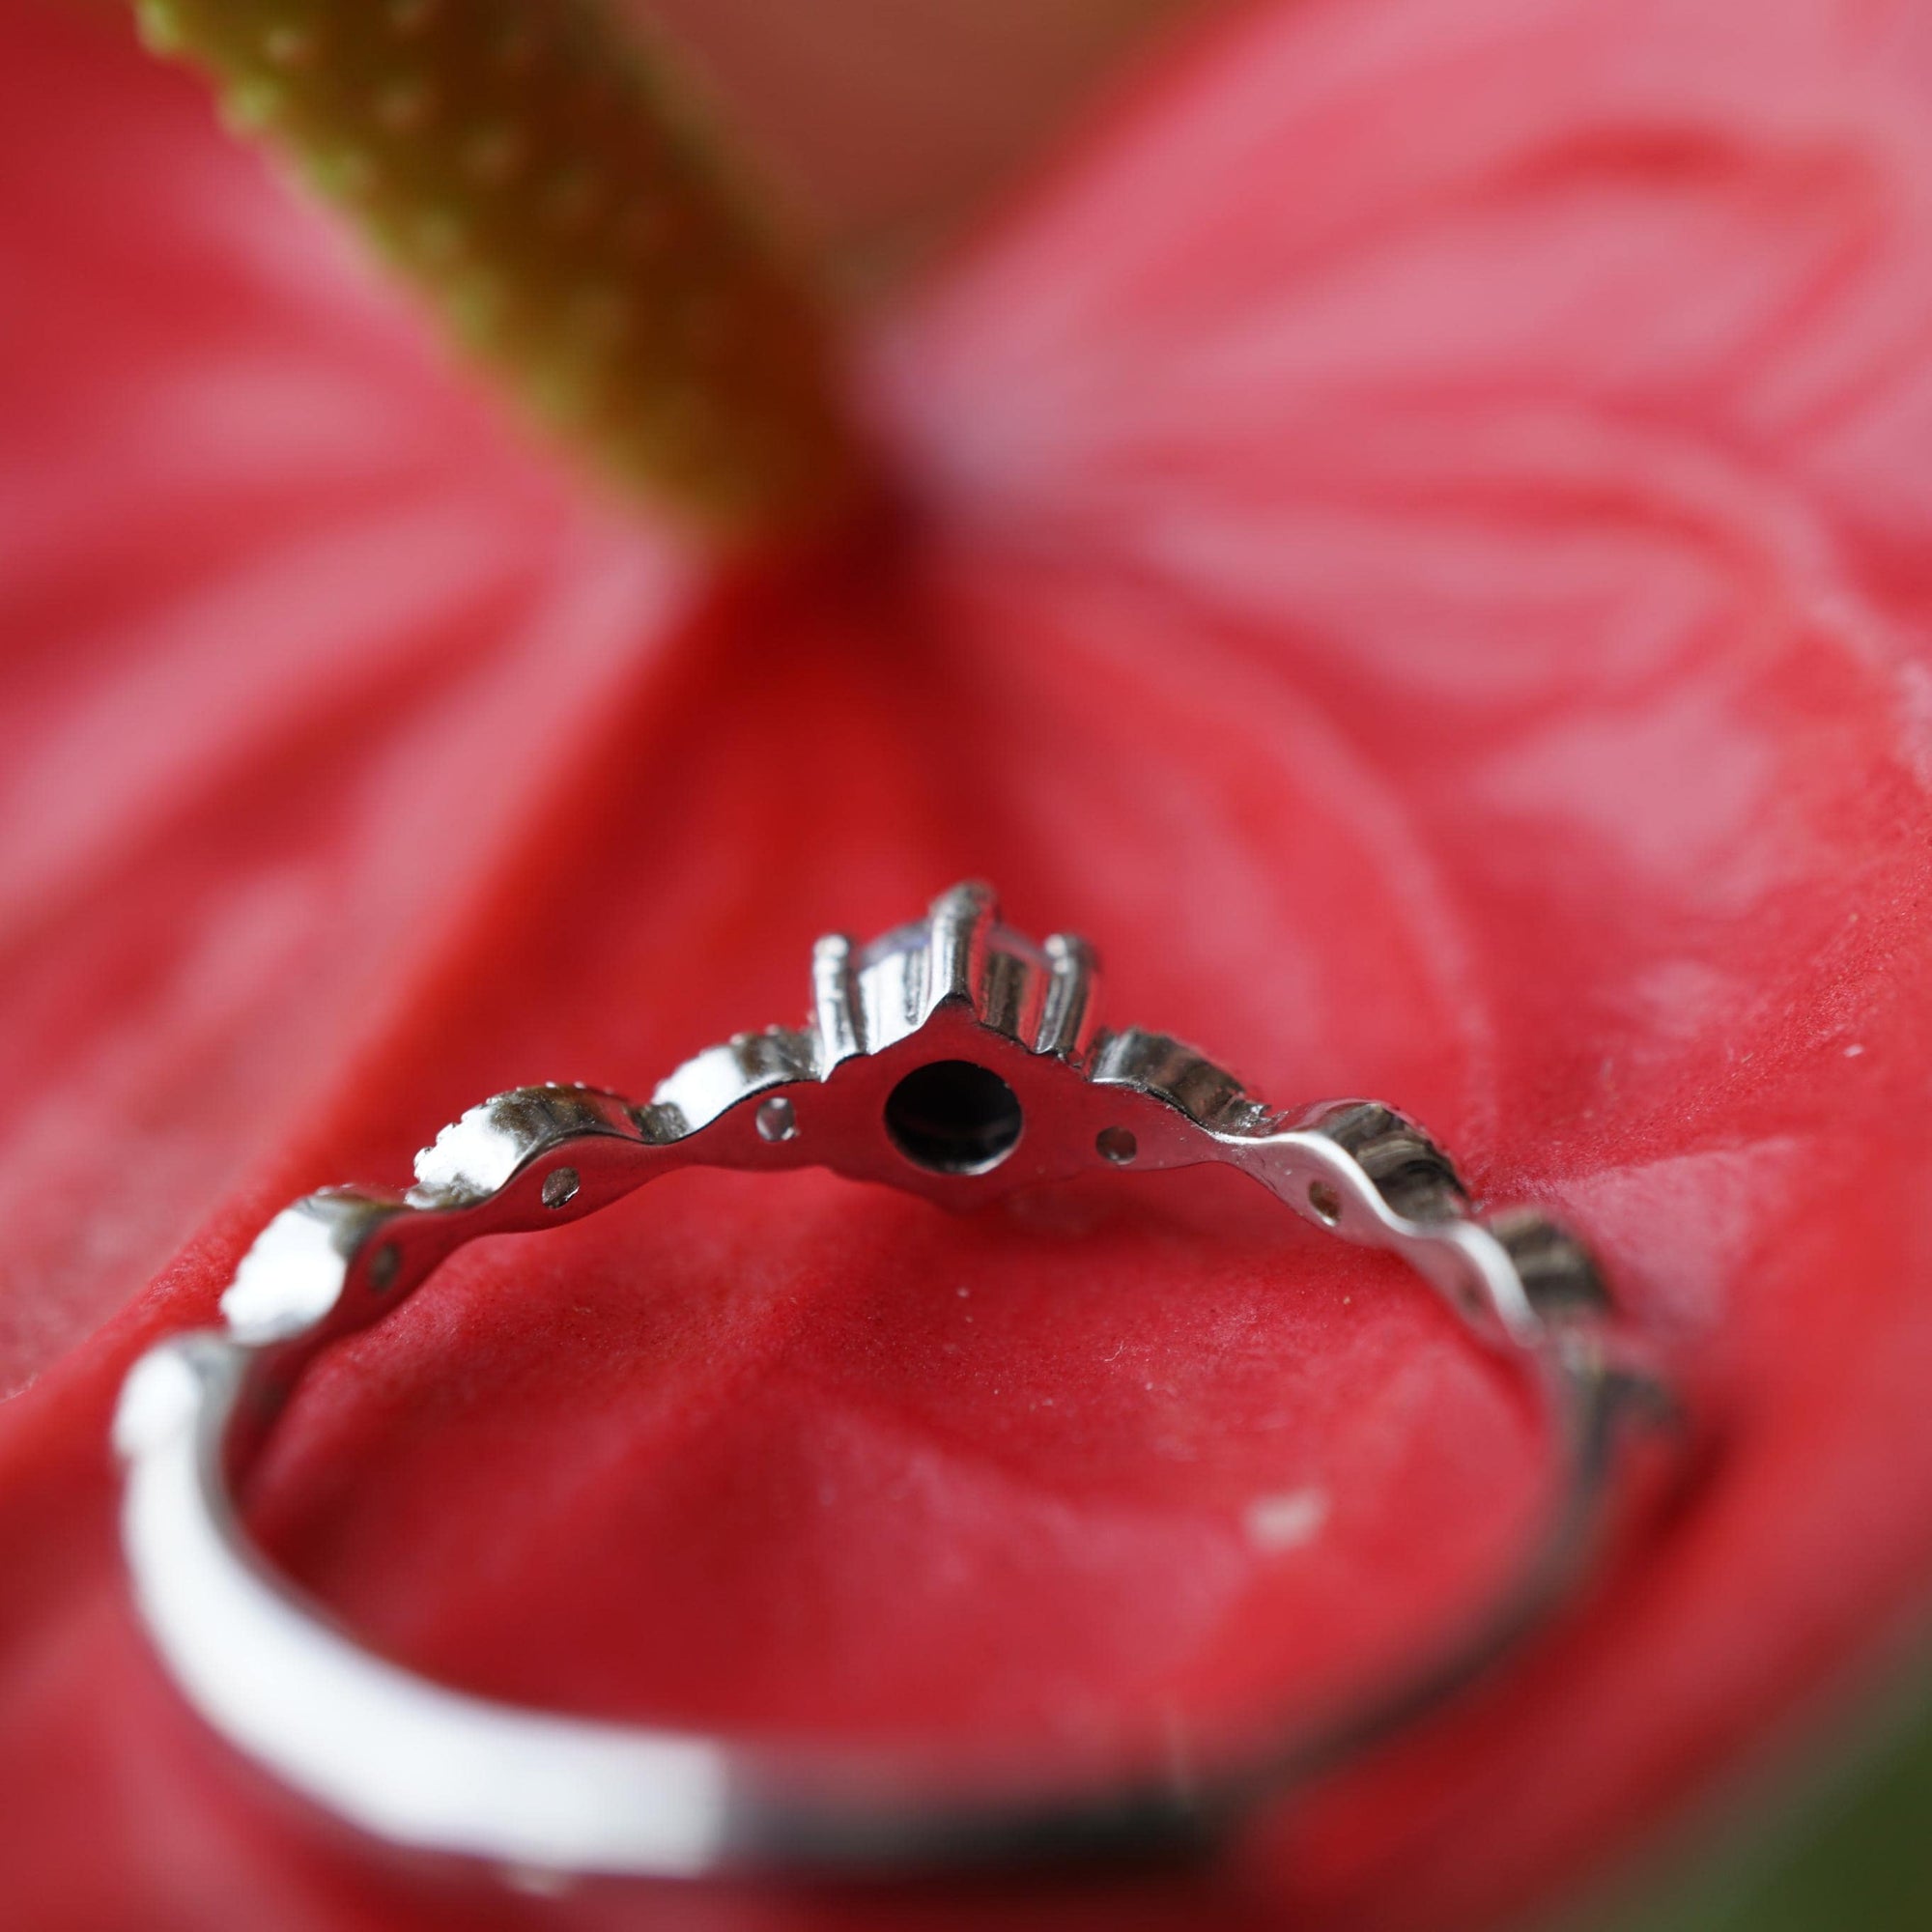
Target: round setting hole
{"x": 1325, "y": 1201}
{"x": 560, "y": 1185}
{"x": 775, "y": 1119}
{"x": 953, "y": 1118}
{"x": 1117, "y": 1144}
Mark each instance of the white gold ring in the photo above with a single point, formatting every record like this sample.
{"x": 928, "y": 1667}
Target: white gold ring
{"x": 953, "y": 1058}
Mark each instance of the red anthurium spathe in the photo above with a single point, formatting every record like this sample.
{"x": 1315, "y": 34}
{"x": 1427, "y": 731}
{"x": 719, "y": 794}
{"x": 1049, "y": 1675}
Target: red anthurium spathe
{"x": 1415, "y": 545}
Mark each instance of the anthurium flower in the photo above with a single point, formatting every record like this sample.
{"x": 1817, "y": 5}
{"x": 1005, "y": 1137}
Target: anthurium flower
{"x": 1412, "y": 534}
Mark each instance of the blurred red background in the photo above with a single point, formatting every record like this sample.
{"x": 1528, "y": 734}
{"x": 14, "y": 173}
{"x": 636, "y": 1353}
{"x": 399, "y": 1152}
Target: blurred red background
{"x": 1415, "y": 545}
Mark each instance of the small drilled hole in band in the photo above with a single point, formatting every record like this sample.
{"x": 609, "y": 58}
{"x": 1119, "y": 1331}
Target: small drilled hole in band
{"x": 384, "y": 1265}
{"x": 777, "y": 1119}
{"x": 1325, "y": 1201}
{"x": 560, "y": 1185}
{"x": 1117, "y": 1144}
{"x": 953, "y": 1118}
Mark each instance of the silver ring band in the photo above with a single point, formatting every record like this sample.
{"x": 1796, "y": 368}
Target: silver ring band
{"x": 953, "y": 1058}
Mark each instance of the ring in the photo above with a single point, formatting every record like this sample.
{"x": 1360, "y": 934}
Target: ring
{"x": 953, "y": 1058}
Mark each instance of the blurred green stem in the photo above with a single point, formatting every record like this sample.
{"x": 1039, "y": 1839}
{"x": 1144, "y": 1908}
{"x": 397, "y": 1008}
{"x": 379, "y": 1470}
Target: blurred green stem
{"x": 530, "y": 167}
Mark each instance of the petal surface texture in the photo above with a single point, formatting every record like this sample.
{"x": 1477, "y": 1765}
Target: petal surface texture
{"x": 1416, "y": 546}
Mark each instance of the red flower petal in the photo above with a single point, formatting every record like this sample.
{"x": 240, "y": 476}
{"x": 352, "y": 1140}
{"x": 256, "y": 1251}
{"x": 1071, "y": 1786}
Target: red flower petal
{"x": 1416, "y": 559}
{"x": 275, "y": 592}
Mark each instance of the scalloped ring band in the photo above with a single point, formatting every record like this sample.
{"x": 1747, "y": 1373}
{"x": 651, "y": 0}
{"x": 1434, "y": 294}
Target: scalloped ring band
{"x": 953, "y": 1058}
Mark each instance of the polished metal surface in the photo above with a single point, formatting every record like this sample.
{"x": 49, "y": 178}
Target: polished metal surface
{"x": 953, "y": 1058}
